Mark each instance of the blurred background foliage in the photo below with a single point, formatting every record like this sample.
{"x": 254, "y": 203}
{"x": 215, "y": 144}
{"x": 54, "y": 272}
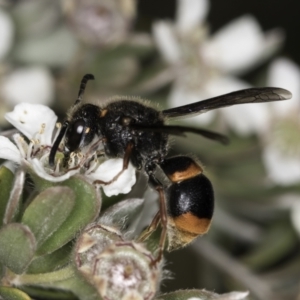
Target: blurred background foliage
{"x": 47, "y": 46}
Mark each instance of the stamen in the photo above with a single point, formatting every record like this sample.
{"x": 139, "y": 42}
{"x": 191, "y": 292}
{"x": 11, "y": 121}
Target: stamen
{"x": 80, "y": 157}
{"x": 30, "y": 150}
{"x": 44, "y": 156}
{"x": 42, "y": 129}
{"x": 20, "y": 142}
{"x": 71, "y": 162}
{"x": 57, "y": 166}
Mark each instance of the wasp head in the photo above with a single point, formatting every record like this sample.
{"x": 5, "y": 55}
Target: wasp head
{"x": 78, "y": 131}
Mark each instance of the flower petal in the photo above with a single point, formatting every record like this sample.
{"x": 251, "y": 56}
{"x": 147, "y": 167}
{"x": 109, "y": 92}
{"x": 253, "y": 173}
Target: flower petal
{"x": 246, "y": 118}
{"x": 110, "y": 168}
{"x": 32, "y": 85}
{"x": 6, "y": 33}
{"x": 286, "y": 74}
{"x": 29, "y": 119}
{"x": 9, "y": 151}
{"x": 39, "y": 169}
{"x": 282, "y": 169}
{"x": 238, "y": 45}
{"x": 181, "y": 95}
{"x": 217, "y": 86}
{"x": 167, "y": 43}
{"x": 190, "y": 14}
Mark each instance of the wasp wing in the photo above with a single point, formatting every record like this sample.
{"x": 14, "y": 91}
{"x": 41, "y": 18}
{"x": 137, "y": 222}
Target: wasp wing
{"x": 180, "y": 130}
{"x": 253, "y": 95}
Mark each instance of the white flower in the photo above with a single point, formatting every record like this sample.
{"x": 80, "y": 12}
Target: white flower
{"x": 281, "y": 137}
{"x": 6, "y": 33}
{"x": 281, "y": 152}
{"x": 37, "y": 123}
{"x": 28, "y": 119}
{"x": 230, "y": 52}
{"x": 204, "y": 66}
{"x": 281, "y": 168}
{"x": 190, "y": 14}
{"x": 106, "y": 172}
{"x": 32, "y": 85}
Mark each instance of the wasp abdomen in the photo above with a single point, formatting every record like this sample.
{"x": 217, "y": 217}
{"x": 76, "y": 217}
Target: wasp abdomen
{"x": 190, "y": 200}
{"x": 191, "y": 204}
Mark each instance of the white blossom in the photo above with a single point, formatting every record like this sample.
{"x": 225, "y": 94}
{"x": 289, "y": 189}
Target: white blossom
{"x": 190, "y": 14}
{"x": 281, "y": 152}
{"x": 106, "y": 172}
{"x": 230, "y": 52}
{"x": 37, "y": 123}
{"x": 28, "y": 84}
{"x": 204, "y": 66}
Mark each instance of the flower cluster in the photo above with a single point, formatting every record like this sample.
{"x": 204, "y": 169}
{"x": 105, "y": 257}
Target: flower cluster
{"x": 205, "y": 66}
{"x": 37, "y": 123}
{"x": 77, "y": 240}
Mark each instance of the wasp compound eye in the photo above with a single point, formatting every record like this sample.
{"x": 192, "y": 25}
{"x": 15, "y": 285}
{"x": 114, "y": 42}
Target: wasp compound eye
{"x": 75, "y": 135}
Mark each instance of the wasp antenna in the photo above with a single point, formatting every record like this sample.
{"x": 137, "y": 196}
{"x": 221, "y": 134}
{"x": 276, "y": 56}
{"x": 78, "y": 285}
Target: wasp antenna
{"x": 83, "y": 83}
{"x": 57, "y": 142}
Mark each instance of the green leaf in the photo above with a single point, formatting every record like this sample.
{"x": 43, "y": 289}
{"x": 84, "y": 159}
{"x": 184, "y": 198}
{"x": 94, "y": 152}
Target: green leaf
{"x": 202, "y": 295}
{"x": 108, "y": 68}
{"x": 17, "y": 247}
{"x": 86, "y": 209}
{"x": 51, "y": 262}
{"x": 272, "y": 249}
{"x": 2, "y": 271}
{"x": 65, "y": 279}
{"x": 79, "y": 287}
{"x": 126, "y": 209}
{"x": 6, "y": 184}
{"x": 48, "y": 211}
{"x": 9, "y": 293}
{"x": 53, "y": 294}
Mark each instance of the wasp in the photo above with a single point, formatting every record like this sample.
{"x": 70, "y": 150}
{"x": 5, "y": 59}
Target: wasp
{"x": 139, "y": 134}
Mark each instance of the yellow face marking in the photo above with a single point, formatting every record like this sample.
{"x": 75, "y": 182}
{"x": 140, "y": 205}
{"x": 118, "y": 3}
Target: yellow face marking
{"x": 87, "y": 130}
{"x": 192, "y": 224}
{"x": 103, "y": 112}
{"x": 192, "y": 171}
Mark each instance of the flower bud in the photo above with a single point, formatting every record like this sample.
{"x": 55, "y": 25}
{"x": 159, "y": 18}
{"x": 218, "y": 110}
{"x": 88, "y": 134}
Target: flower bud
{"x": 101, "y": 22}
{"x": 94, "y": 239}
{"x": 118, "y": 269}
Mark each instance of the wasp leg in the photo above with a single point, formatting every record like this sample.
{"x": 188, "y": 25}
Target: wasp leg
{"x": 160, "y": 216}
{"x": 126, "y": 160}
{"x": 151, "y": 228}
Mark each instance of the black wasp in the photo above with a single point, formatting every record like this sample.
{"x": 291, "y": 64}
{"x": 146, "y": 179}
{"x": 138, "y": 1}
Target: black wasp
{"x": 138, "y": 134}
